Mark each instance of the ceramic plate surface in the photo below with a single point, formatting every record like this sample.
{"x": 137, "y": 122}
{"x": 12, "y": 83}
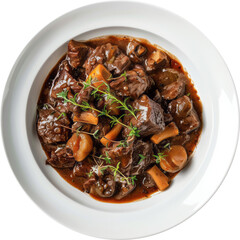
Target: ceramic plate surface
{"x": 190, "y": 190}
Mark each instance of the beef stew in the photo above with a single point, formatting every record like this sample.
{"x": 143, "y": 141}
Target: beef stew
{"x": 118, "y": 118}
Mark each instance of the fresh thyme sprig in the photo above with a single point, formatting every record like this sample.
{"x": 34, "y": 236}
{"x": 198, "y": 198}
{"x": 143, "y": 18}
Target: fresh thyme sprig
{"x": 78, "y": 131}
{"x": 123, "y": 104}
{"x": 101, "y": 168}
{"x": 123, "y": 143}
{"x": 85, "y": 106}
{"x": 160, "y": 156}
{"x": 106, "y": 158}
{"x": 115, "y": 170}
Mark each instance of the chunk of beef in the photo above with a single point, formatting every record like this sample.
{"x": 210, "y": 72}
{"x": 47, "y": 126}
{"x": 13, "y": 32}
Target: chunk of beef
{"x": 180, "y": 139}
{"x": 190, "y": 123}
{"x": 139, "y": 164}
{"x": 157, "y": 97}
{"x": 61, "y": 158}
{"x": 105, "y": 186}
{"x": 167, "y": 76}
{"x": 89, "y": 184}
{"x": 96, "y": 56}
{"x": 124, "y": 188}
{"x": 51, "y": 147}
{"x": 129, "y": 156}
{"x": 138, "y": 66}
{"x": 136, "y": 51}
{"x": 82, "y": 168}
{"x": 121, "y": 154}
{"x": 84, "y": 95}
{"x": 103, "y": 127}
{"x": 173, "y": 90}
{"x": 157, "y": 59}
{"x": 150, "y": 118}
{"x": 81, "y": 126}
{"x": 65, "y": 107}
{"x": 50, "y": 128}
{"x": 77, "y": 52}
{"x": 180, "y": 107}
{"x": 167, "y": 117}
{"x": 134, "y": 84}
{"x": 64, "y": 80}
{"x": 148, "y": 181}
{"x": 119, "y": 63}
{"x": 110, "y": 56}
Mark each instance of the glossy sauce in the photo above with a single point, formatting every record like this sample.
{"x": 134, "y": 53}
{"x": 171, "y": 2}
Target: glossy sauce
{"x": 140, "y": 191}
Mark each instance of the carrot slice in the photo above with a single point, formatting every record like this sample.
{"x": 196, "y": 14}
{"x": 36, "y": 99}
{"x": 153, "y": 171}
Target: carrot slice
{"x": 99, "y": 75}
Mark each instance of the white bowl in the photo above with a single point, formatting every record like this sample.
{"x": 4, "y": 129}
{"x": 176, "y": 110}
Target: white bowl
{"x": 190, "y": 190}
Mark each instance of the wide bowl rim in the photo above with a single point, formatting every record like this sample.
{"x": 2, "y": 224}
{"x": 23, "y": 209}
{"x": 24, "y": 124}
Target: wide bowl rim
{"x": 6, "y": 91}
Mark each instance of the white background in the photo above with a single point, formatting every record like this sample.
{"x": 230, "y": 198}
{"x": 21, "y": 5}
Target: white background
{"x": 20, "y": 20}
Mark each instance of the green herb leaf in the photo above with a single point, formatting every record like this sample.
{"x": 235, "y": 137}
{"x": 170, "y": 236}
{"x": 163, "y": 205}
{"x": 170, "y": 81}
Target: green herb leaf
{"x": 62, "y": 114}
{"x": 62, "y": 94}
{"x": 107, "y": 158}
{"x": 166, "y": 145}
{"x": 141, "y": 158}
{"x": 45, "y": 105}
{"x": 124, "y": 75}
{"x": 90, "y": 173}
{"x": 133, "y": 178}
{"x": 134, "y": 132}
{"x": 87, "y": 83}
{"x": 96, "y": 134}
{"x": 123, "y": 143}
{"x": 160, "y": 156}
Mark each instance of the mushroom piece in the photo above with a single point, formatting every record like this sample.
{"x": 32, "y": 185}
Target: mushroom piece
{"x": 112, "y": 135}
{"x": 175, "y": 160}
{"x": 170, "y": 130}
{"x": 105, "y": 186}
{"x": 81, "y": 145}
{"x": 86, "y": 117}
{"x": 161, "y": 180}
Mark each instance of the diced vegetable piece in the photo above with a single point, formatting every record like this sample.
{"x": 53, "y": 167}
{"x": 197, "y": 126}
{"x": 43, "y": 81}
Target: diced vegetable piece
{"x": 99, "y": 75}
{"x": 112, "y": 135}
{"x": 175, "y": 160}
{"x": 86, "y": 117}
{"x": 73, "y": 143}
{"x": 81, "y": 145}
{"x": 170, "y": 130}
{"x": 161, "y": 180}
